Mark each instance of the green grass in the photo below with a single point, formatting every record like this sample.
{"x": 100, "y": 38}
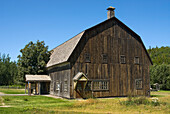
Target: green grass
{"x": 44, "y": 105}
{"x": 1, "y": 101}
{"x": 13, "y": 91}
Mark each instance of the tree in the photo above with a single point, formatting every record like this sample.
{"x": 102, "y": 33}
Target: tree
{"x": 8, "y": 70}
{"x": 161, "y": 74}
{"x": 160, "y": 71}
{"x": 160, "y": 55}
{"x": 33, "y": 59}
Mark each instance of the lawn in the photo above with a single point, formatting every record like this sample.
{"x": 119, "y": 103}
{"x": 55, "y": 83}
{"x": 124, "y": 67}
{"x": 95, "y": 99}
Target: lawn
{"x": 13, "y": 91}
{"x": 43, "y": 104}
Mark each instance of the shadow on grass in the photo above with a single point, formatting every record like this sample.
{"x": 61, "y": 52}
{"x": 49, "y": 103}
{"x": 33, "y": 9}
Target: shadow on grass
{"x": 157, "y": 95}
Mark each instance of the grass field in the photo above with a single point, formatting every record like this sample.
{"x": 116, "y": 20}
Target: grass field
{"x": 43, "y": 104}
{"x": 13, "y": 91}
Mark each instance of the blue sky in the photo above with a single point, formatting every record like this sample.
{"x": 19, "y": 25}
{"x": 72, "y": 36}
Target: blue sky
{"x": 55, "y": 21}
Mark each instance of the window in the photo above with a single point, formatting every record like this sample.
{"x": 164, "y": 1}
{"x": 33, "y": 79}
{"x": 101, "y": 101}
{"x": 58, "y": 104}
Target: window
{"x": 104, "y": 58}
{"x": 136, "y": 60}
{"x": 57, "y": 85}
{"x": 87, "y": 57}
{"x": 104, "y": 85}
{"x": 101, "y": 85}
{"x": 65, "y": 86}
{"x": 138, "y": 83}
{"x": 96, "y": 85}
{"x": 122, "y": 59}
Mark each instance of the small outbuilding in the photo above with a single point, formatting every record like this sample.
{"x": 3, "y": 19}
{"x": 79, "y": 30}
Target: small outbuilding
{"x": 37, "y": 84}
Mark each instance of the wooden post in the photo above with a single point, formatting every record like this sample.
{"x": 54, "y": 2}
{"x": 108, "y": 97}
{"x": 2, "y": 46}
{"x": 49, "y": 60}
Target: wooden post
{"x": 39, "y": 88}
{"x": 29, "y": 88}
{"x": 92, "y": 89}
{"x": 25, "y": 87}
{"x": 35, "y": 88}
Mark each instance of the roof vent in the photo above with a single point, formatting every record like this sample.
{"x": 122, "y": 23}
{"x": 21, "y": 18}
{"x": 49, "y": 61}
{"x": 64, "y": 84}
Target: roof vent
{"x": 110, "y": 12}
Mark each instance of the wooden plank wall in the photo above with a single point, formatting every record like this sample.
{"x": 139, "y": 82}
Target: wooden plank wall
{"x": 59, "y": 74}
{"x": 113, "y": 39}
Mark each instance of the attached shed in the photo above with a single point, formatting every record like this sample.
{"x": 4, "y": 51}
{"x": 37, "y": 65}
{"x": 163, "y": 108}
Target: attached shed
{"x": 40, "y": 84}
{"x": 106, "y": 60}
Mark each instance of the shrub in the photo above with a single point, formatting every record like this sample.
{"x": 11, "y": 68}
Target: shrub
{"x": 141, "y": 100}
{"x": 7, "y": 99}
{"x": 25, "y": 99}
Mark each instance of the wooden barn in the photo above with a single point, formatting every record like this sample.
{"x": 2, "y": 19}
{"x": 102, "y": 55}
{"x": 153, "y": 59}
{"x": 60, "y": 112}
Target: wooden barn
{"x": 106, "y": 60}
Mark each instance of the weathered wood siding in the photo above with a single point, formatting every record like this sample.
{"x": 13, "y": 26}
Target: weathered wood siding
{"x": 60, "y": 75}
{"x": 114, "y": 39}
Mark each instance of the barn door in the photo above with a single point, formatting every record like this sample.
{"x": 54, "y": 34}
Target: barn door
{"x": 80, "y": 89}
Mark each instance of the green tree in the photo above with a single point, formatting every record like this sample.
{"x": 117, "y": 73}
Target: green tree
{"x": 161, "y": 74}
{"x": 160, "y": 71}
{"x": 8, "y": 70}
{"x": 160, "y": 55}
{"x": 33, "y": 59}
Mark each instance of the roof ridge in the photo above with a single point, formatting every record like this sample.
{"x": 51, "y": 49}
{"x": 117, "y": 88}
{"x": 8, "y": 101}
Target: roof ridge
{"x": 68, "y": 40}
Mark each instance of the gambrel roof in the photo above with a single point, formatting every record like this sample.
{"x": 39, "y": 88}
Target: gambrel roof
{"x": 62, "y": 53}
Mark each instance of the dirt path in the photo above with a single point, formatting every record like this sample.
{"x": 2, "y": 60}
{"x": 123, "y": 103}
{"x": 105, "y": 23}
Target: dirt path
{"x": 1, "y": 93}
{"x": 56, "y": 97}
{"x": 1, "y": 99}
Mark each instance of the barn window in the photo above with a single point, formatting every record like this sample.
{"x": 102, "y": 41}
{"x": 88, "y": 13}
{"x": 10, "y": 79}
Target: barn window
{"x": 138, "y": 83}
{"x": 57, "y": 85}
{"x": 104, "y": 58}
{"x": 96, "y": 85}
{"x": 136, "y": 60}
{"x": 100, "y": 85}
{"x": 104, "y": 85}
{"x": 122, "y": 59}
{"x": 65, "y": 86}
{"x": 87, "y": 57}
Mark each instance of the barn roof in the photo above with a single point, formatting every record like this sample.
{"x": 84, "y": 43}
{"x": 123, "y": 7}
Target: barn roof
{"x": 32, "y": 78}
{"x": 62, "y": 53}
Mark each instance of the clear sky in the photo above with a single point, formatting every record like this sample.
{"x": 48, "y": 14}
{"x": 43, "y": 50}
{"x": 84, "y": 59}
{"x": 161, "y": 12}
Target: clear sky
{"x": 55, "y": 21}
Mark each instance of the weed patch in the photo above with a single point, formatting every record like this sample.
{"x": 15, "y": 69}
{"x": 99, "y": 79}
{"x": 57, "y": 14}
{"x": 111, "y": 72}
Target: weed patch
{"x": 85, "y": 103}
{"x": 7, "y": 99}
{"x": 25, "y": 99}
{"x": 142, "y": 100}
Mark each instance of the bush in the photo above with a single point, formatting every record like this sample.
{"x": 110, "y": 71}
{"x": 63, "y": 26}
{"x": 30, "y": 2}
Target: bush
{"x": 141, "y": 100}
{"x": 25, "y": 99}
{"x": 7, "y": 99}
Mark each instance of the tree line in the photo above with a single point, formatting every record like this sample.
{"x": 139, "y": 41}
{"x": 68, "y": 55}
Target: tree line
{"x": 8, "y": 70}
{"x": 160, "y": 71}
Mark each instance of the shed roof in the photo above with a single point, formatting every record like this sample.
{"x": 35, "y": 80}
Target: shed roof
{"x": 39, "y": 78}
